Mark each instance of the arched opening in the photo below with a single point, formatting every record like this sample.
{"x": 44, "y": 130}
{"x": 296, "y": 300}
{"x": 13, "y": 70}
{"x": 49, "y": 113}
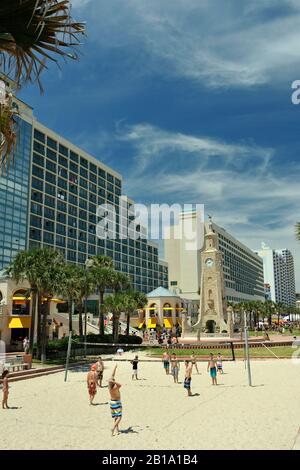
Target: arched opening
{"x": 153, "y": 311}
{"x": 167, "y": 310}
{"x": 210, "y": 326}
{"x": 21, "y": 303}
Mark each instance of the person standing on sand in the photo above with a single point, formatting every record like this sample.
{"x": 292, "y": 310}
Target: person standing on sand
{"x": 220, "y": 364}
{"x": 115, "y": 401}
{"x": 212, "y": 368}
{"x": 92, "y": 383}
{"x": 175, "y": 366}
{"x": 99, "y": 371}
{"x": 5, "y": 389}
{"x": 188, "y": 377}
{"x": 166, "y": 362}
{"x": 135, "y": 367}
{"x": 194, "y": 362}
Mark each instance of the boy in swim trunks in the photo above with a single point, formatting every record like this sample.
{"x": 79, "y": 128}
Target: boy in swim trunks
{"x": 175, "y": 366}
{"x": 115, "y": 401}
{"x": 188, "y": 377}
{"x": 92, "y": 383}
{"x": 212, "y": 368}
{"x": 166, "y": 362}
{"x": 220, "y": 364}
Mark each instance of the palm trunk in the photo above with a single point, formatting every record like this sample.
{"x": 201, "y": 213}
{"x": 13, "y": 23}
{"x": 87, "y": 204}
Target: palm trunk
{"x": 101, "y": 316}
{"x": 39, "y": 323}
{"x": 44, "y": 331}
{"x": 33, "y": 319}
{"x": 115, "y": 328}
{"x": 128, "y": 323}
{"x": 70, "y": 305}
{"x": 80, "y": 319}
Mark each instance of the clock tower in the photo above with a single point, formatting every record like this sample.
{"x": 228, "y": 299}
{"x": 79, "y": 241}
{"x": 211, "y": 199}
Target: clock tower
{"x": 212, "y": 308}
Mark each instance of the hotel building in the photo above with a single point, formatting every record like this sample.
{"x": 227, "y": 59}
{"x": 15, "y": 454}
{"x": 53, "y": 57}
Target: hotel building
{"x": 49, "y": 198}
{"x": 242, "y": 268}
{"x": 279, "y": 274}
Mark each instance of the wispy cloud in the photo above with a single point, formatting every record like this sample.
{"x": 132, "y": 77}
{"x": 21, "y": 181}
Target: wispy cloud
{"x": 213, "y": 42}
{"x": 239, "y": 183}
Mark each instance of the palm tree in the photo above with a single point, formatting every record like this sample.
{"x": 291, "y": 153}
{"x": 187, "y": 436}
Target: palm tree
{"x": 134, "y": 300}
{"x": 121, "y": 282}
{"x": 34, "y": 31}
{"x": 115, "y": 304}
{"x": 102, "y": 273}
{"x": 49, "y": 282}
{"x": 25, "y": 266}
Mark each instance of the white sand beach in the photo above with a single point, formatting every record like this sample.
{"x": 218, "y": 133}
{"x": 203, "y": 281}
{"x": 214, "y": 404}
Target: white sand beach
{"x": 157, "y": 414}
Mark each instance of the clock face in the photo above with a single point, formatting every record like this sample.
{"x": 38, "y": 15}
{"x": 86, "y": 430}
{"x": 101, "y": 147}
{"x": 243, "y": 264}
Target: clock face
{"x": 209, "y": 262}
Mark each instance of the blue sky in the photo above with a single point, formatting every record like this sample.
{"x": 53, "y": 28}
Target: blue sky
{"x": 191, "y": 101}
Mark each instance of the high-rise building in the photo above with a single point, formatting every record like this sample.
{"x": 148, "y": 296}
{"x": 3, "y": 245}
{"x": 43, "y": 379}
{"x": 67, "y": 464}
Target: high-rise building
{"x": 242, "y": 268}
{"x": 49, "y": 198}
{"x": 279, "y": 274}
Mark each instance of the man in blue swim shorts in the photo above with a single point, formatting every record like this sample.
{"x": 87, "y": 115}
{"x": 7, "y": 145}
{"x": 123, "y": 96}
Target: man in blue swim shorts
{"x": 212, "y": 368}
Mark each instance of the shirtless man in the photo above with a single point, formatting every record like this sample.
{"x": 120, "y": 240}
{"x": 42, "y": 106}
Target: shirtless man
{"x": 92, "y": 383}
{"x": 188, "y": 377}
{"x": 99, "y": 370}
{"x": 166, "y": 362}
{"x": 175, "y": 366}
{"x": 115, "y": 401}
{"x": 5, "y": 389}
{"x": 193, "y": 360}
{"x": 212, "y": 368}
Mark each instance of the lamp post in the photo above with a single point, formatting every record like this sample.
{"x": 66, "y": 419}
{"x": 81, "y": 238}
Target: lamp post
{"x": 88, "y": 264}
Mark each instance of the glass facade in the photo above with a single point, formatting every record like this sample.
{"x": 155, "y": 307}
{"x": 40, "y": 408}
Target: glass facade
{"x": 66, "y": 190}
{"x": 14, "y": 195}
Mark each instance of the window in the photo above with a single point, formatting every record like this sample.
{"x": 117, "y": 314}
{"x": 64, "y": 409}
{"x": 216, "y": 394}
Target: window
{"x": 83, "y": 162}
{"x": 49, "y": 213}
{"x": 35, "y": 234}
{"x": 101, "y": 173}
{"x": 61, "y": 229}
{"x": 48, "y": 238}
{"x": 61, "y": 194}
{"x": 73, "y": 156}
{"x": 110, "y": 178}
{"x": 61, "y": 206}
{"x": 37, "y": 184}
{"x": 36, "y": 171}
{"x": 39, "y": 147}
{"x": 50, "y": 166}
{"x": 38, "y": 159}
{"x": 60, "y": 241}
{"x": 63, "y": 150}
{"x": 49, "y": 201}
{"x": 83, "y": 172}
{"x": 36, "y": 196}
{"x": 36, "y": 208}
{"x": 36, "y": 221}
{"x": 61, "y": 217}
{"x": 62, "y": 183}
{"x": 50, "y": 177}
{"x": 49, "y": 225}
{"x": 51, "y": 143}
{"x": 50, "y": 154}
{"x": 62, "y": 172}
{"x": 39, "y": 136}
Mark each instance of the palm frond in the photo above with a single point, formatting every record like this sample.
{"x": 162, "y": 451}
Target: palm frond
{"x": 34, "y": 31}
{"x": 8, "y": 136}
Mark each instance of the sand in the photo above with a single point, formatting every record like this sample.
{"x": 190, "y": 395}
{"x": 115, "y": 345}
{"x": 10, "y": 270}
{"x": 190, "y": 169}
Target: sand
{"x": 52, "y": 414}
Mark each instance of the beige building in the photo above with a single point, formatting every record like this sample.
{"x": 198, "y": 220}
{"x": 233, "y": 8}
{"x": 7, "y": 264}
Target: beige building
{"x": 242, "y": 268}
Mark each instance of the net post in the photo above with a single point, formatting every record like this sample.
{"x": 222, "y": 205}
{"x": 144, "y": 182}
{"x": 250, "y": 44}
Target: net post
{"x": 68, "y": 355}
{"x": 232, "y": 350}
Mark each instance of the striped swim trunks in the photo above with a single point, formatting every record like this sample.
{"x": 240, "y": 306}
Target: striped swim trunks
{"x": 116, "y": 408}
